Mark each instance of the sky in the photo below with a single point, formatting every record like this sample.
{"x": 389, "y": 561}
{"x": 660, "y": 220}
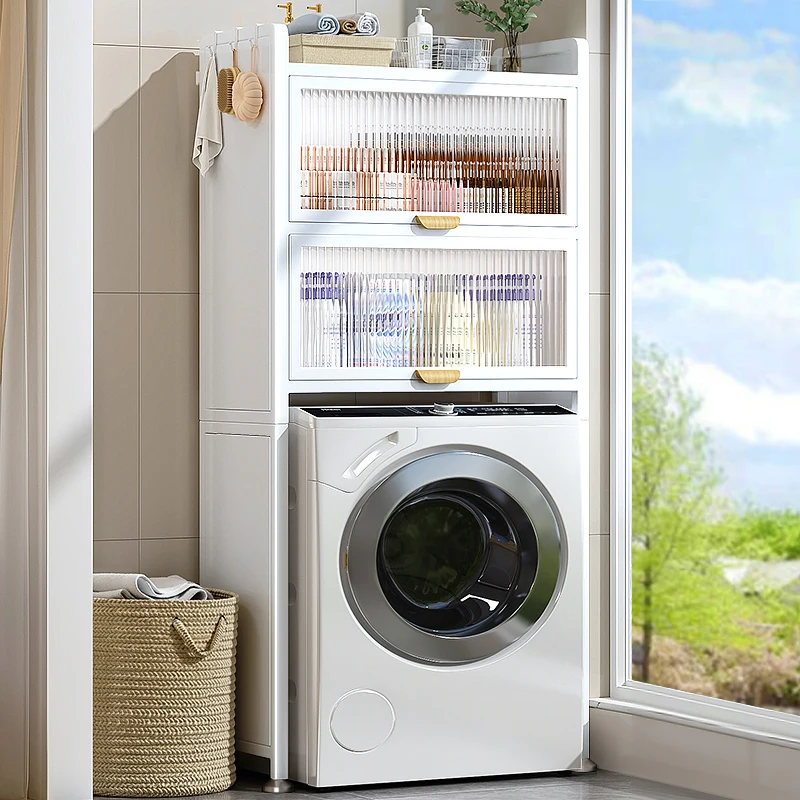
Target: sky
{"x": 716, "y": 223}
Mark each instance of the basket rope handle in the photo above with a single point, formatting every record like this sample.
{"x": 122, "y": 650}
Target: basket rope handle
{"x": 191, "y": 645}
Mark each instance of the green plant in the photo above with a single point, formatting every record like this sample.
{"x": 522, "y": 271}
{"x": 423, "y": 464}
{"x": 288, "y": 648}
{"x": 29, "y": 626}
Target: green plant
{"x": 517, "y": 14}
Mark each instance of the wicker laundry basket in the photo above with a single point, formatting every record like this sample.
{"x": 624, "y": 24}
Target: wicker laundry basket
{"x": 164, "y": 683}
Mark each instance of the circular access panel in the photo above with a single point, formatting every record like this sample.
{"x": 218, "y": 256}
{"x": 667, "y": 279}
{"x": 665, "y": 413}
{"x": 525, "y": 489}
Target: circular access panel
{"x": 362, "y": 720}
{"x": 453, "y": 557}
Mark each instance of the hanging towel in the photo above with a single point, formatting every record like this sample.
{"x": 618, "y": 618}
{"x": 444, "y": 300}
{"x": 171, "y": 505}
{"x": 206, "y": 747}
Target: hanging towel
{"x": 363, "y": 24}
{"x": 208, "y": 134}
{"x": 133, "y": 586}
{"x": 314, "y": 23}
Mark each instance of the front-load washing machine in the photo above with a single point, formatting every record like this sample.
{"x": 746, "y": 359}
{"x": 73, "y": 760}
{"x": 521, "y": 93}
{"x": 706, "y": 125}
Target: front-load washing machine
{"x": 436, "y": 593}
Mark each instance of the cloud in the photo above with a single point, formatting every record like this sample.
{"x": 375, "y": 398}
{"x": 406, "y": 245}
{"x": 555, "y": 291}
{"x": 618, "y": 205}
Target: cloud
{"x": 672, "y": 36}
{"x": 749, "y": 328}
{"x": 758, "y": 415}
{"x": 760, "y": 300}
{"x": 737, "y": 91}
{"x": 719, "y": 75}
{"x": 777, "y": 36}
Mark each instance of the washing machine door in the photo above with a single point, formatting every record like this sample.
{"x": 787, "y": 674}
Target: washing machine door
{"x": 453, "y": 557}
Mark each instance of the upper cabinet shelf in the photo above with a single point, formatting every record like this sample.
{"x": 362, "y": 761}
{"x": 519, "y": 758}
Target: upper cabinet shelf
{"x": 388, "y": 150}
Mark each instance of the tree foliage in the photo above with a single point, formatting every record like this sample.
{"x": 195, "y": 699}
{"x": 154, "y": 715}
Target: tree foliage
{"x": 694, "y": 628}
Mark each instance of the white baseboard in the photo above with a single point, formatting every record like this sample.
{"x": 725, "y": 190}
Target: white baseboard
{"x": 717, "y": 763}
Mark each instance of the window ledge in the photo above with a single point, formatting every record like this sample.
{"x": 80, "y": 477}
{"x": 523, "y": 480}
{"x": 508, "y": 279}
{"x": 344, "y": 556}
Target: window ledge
{"x": 691, "y": 721}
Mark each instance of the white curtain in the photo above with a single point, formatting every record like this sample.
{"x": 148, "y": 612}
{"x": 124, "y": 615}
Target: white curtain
{"x": 14, "y": 502}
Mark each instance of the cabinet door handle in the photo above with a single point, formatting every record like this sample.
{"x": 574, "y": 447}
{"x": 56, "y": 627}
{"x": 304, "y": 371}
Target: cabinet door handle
{"x": 438, "y": 376}
{"x": 437, "y": 222}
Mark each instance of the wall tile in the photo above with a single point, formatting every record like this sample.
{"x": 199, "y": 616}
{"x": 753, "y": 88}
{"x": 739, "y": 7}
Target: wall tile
{"x": 116, "y": 21}
{"x": 116, "y": 416}
{"x": 597, "y": 25}
{"x": 599, "y": 232}
{"x": 679, "y": 755}
{"x": 116, "y": 169}
{"x": 772, "y": 768}
{"x": 599, "y": 630}
{"x": 161, "y": 557}
{"x": 122, "y": 556}
{"x": 169, "y": 416}
{"x": 553, "y": 21}
{"x": 391, "y": 14}
{"x": 599, "y": 414}
{"x": 184, "y": 24}
{"x": 169, "y": 181}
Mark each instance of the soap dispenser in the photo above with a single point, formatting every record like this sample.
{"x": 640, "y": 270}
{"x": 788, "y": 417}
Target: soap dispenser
{"x": 420, "y": 41}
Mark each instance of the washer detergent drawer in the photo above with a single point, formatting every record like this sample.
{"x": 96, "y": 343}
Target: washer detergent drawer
{"x": 433, "y": 308}
{"x": 491, "y": 152}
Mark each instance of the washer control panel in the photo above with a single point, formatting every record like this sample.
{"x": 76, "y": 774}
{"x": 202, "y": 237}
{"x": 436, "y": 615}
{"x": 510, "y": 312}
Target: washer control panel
{"x": 439, "y": 409}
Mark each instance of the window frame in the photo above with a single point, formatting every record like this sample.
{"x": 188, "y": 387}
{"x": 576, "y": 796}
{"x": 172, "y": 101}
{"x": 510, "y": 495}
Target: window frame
{"x": 627, "y": 694}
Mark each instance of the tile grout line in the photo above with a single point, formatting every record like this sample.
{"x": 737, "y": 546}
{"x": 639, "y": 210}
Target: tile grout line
{"x": 139, "y": 284}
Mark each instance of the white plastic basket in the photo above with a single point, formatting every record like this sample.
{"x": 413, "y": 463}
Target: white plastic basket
{"x": 443, "y": 52}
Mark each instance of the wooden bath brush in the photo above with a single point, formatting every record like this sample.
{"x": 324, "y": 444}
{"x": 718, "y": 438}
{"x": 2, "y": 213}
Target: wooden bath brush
{"x": 225, "y": 80}
{"x": 247, "y": 95}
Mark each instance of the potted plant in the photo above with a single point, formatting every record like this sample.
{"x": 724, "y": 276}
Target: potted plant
{"x": 516, "y": 16}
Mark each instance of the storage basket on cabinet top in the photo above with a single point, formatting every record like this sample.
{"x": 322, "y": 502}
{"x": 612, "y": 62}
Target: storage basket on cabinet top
{"x": 164, "y": 696}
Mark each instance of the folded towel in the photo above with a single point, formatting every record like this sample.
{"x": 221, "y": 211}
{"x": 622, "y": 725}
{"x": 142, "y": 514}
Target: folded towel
{"x": 208, "y": 134}
{"x": 363, "y": 24}
{"x": 314, "y": 23}
{"x": 133, "y": 586}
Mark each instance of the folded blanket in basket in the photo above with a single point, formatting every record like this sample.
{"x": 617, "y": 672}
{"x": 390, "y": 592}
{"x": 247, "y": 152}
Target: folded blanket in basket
{"x": 314, "y": 23}
{"x": 133, "y": 586}
{"x": 363, "y": 24}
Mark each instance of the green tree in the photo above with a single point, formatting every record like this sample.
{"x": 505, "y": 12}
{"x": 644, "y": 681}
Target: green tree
{"x": 741, "y": 640}
{"x": 673, "y": 495}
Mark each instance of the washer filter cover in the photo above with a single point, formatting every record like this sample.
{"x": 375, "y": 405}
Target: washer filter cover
{"x": 362, "y": 720}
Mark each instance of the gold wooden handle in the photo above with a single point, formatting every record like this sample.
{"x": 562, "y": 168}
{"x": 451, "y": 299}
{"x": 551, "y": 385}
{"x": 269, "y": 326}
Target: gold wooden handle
{"x": 438, "y": 376}
{"x": 289, "y": 16}
{"x": 437, "y": 222}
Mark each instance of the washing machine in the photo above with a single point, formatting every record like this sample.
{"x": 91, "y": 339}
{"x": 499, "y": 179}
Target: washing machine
{"x": 436, "y": 593}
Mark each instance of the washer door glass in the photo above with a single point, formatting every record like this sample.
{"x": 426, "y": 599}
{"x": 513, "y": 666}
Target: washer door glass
{"x": 452, "y": 558}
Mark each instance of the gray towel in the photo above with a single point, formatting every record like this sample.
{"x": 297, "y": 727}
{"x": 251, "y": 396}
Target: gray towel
{"x": 363, "y": 24}
{"x": 135, "y": 586}
{"x": 314, "y": 23}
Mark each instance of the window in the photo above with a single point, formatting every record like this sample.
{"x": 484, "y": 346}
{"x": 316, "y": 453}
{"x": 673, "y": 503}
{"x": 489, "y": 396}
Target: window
{"x": 708, "y": 462}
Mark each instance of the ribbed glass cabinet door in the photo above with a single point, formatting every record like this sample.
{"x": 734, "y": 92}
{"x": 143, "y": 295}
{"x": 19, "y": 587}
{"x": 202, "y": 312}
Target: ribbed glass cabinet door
{"x": 393, "y": 305}
{"x": 492, "y": 154}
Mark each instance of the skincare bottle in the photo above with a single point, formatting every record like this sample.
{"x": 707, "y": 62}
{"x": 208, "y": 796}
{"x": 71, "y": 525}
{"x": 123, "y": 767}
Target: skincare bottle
{"x": 420, "y": 41}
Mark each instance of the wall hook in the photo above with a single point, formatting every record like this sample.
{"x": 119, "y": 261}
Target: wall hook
{"x": 289, "y": 16}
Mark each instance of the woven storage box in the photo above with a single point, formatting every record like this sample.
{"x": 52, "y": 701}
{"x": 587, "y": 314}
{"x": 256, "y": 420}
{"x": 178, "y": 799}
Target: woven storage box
{"x": 362, "y": 51}
{"x": 164, "y": 683}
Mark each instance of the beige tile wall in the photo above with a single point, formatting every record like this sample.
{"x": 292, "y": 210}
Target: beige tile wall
{"x": 146, "y": 273}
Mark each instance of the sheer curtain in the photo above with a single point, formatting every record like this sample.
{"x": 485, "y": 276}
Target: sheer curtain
{"x": 14, "y": 404}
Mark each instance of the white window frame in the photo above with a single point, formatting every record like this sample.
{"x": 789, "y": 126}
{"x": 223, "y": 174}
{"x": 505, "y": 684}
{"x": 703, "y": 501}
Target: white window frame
{"x": 626, "y": 694}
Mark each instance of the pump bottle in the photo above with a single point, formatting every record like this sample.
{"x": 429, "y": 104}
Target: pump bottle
{"x": 420, "y": 41}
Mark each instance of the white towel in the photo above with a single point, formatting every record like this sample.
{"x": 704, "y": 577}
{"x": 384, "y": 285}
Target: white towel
{"x": 133, "y": 586}
{"x": 366, "y": 24}
{"x": 314, "y": 23}
{"x": 208, "y": 135}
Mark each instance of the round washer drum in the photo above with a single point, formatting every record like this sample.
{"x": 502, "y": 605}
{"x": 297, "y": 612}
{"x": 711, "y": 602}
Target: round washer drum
{"x": 453, "y": 557}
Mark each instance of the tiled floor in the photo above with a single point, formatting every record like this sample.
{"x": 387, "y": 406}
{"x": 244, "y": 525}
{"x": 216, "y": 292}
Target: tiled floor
{"x": 597, "y": 786}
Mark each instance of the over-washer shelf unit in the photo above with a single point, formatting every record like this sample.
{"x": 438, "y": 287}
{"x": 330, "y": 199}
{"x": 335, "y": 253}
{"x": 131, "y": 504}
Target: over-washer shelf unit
{"x": 375, "y": 230}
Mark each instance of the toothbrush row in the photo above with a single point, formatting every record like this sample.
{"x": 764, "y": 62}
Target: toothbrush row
{"x": 469, "y": 315}
{"x": 409, "y": 152}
